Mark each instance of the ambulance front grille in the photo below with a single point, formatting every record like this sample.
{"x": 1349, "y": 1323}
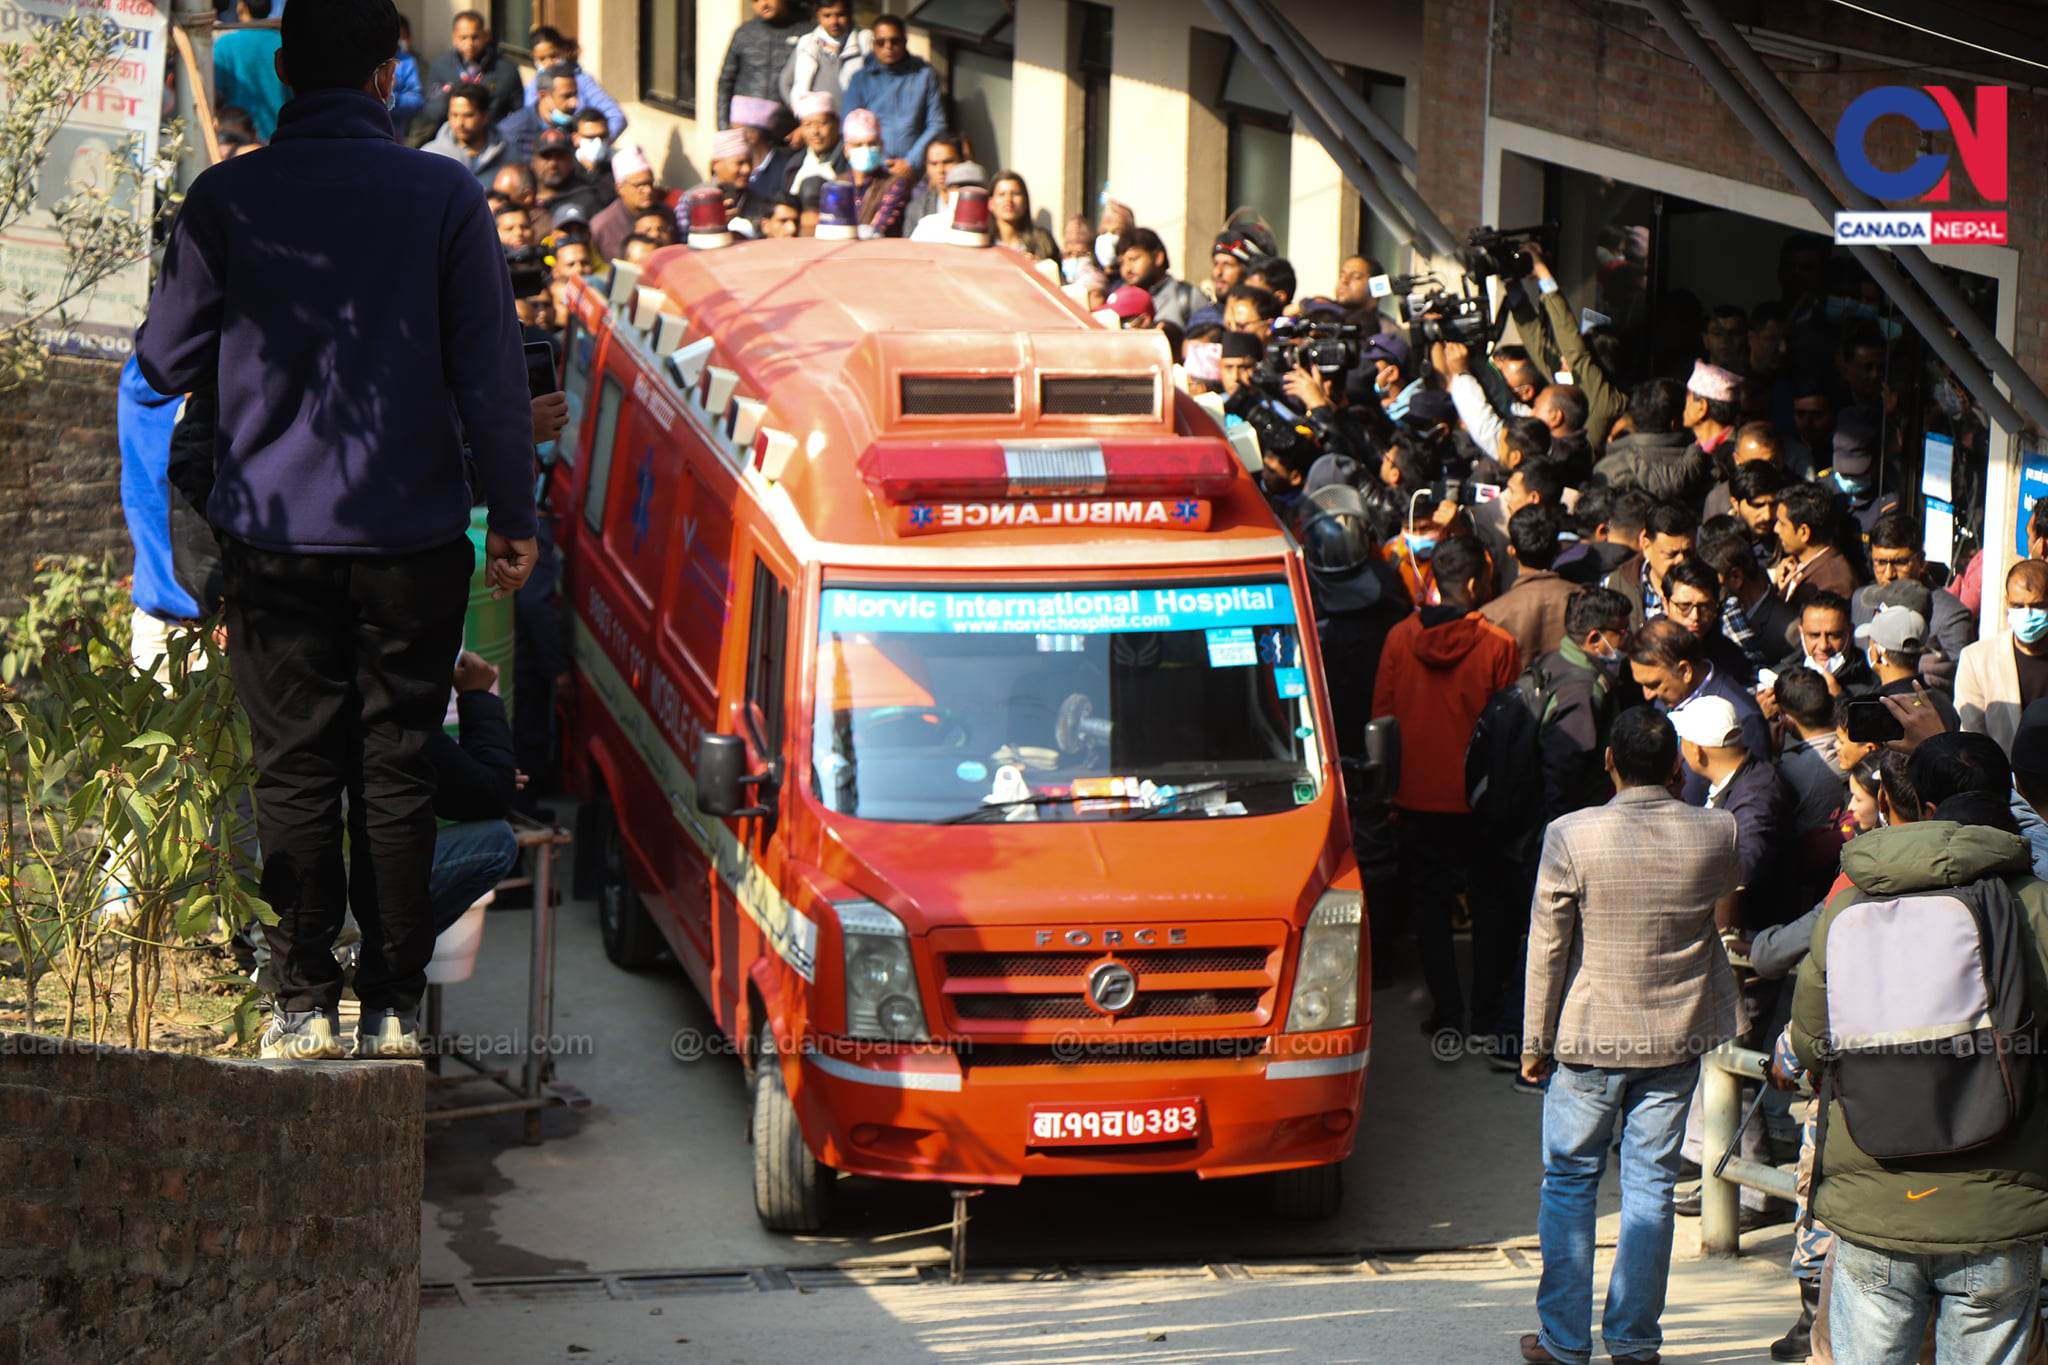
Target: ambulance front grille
{"x": 1148, "y": 1005}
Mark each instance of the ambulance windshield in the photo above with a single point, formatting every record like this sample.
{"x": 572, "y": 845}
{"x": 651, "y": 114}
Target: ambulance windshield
{"x": 1161, "y": 701}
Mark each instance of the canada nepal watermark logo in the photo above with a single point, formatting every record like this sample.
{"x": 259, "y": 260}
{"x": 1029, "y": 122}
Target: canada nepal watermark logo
{"x": 1980, "y": 144}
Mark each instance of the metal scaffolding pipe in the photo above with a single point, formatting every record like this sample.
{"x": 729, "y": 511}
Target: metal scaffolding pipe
{"x": 1382, "y": 132}
{"x": 1353, "y": 169}
{"x": 1924, "y": 318}
{"x": 1300, "y": 82}
{"x": 1820, "y": 153}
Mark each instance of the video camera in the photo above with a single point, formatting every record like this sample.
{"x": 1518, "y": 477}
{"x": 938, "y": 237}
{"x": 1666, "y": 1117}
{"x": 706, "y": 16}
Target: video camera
{"x": 1322, "y": 344}
{"x": 1435, "y": 314}
{"x": 530, "y": 272}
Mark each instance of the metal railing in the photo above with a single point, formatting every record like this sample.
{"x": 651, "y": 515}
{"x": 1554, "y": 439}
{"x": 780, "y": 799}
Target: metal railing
{"x": 1722, "y": 1072}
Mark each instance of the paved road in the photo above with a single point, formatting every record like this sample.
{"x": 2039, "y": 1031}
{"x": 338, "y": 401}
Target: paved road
{"x": 654, "y": 1177}
{"x": 1438, "y": 1310}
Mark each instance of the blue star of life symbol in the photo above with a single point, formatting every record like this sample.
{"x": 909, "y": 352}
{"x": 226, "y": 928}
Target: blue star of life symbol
{"x": 643, "y": 499}
{"x": 920, "y": 516}
{"x": 1186, "y": 510}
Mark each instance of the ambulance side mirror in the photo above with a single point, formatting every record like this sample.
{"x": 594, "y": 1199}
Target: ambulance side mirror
{"x": 723, "y": 780}
{"x": 1380, "y": 769}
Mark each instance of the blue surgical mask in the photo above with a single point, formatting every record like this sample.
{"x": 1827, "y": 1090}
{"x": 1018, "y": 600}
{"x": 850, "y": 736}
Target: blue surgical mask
{"x": 1070, "y": 269}
{"x": 1854, "y": 486}
{"x": 1105, "y": 250}
{"x": 2028, "y": 623}
{"x": 867, "y": 160}
{"x": 1422, "y": 547}
{"x": 562, "y": 118}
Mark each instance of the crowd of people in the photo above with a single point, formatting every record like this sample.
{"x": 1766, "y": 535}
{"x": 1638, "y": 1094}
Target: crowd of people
{"x": 1660, "y": 644}
{"x": 1678, "y": 686}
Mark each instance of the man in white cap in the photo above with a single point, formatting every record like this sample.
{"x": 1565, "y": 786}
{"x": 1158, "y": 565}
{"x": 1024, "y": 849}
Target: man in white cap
{"x": 1713, "y": 406}
{"x": 1749, "y": 788}
{"x": 824, "y": 158}
{"x": 639, "y": 193}
{"x": 732, "y": 165}
{"x": 937, "y": 225}
{"x": 1895, "y": 639}
{"x": 760, "y": 119}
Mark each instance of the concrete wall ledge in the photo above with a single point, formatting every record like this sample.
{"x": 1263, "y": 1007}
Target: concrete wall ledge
{"x": 161, "y": 1207}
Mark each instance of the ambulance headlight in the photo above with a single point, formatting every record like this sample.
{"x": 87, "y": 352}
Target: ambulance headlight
{"x": 881, "y": 980}
{"x": 1326, "y": 978}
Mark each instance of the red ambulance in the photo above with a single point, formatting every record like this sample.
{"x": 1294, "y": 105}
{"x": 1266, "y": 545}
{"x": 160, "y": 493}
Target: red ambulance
{"x": 948, "y": 704}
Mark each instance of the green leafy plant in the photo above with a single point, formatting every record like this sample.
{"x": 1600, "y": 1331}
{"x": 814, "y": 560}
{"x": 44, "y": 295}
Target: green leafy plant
{"x": 124, "y": 789}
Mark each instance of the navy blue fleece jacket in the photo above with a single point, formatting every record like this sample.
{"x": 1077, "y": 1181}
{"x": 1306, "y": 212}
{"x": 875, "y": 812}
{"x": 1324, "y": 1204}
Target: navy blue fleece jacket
{"x": 351, "y": 296}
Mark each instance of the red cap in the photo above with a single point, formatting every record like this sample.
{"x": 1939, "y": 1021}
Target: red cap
{"x": 1128, "y": 301}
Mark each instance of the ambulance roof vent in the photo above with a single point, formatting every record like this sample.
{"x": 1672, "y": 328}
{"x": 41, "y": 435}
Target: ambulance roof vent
{"x": 1106, "y": 395}
{"x": 933, "y": 395}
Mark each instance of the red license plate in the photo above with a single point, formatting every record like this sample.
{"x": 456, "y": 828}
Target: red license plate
{"x": 1094, "y": 1125}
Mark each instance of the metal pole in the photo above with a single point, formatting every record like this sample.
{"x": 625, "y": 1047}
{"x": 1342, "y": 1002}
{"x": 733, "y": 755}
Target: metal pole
{"x": 1382, "y": 132}
{"x": 1925, "y": 320}
{"x": 1301, "y": 81}
{"x": 1799, "y": 126}
{"x": 1720, "y": 1200}
{"x": 1354, "y": 171}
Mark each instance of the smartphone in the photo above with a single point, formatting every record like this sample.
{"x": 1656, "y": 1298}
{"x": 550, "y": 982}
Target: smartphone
{"x": 541, "y": 374}
{"x": 1872, "y": 722}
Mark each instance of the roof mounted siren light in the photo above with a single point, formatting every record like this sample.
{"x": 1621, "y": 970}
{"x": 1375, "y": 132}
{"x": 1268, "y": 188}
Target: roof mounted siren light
{"x": 705, "y": 207}
{"x": 837, "y": 219}
{"x": 971, "y": 222}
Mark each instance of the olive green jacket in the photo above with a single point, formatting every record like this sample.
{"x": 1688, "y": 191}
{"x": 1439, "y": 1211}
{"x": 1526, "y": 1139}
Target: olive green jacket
{"x": 1993, "y": 1197}
{"x": 1604, "y": 401}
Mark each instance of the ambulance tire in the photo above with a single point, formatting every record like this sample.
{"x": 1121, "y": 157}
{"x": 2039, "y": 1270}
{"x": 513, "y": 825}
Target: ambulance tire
{"x": 792, "y": 1188}
{"x": 630, "y": 939}
{"x": 1307, "y": 1195}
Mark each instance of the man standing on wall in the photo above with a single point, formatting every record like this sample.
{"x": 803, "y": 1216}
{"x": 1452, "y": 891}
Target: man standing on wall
{"x": 355, "y": 350}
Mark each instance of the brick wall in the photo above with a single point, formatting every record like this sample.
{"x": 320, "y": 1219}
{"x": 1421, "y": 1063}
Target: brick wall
{"x": 60, "y": 472}
{"x": 156, "y": 1207}
{"x": 1609, "y": 74}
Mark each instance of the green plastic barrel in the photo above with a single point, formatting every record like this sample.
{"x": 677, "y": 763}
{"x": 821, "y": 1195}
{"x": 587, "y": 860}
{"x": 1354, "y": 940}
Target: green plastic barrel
{"x": 487, "y": 625}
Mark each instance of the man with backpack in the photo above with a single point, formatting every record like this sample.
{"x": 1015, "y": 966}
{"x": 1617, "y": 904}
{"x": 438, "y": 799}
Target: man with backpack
{"x": 1438, "y": 670}
{"x": 1917, "y": 1010}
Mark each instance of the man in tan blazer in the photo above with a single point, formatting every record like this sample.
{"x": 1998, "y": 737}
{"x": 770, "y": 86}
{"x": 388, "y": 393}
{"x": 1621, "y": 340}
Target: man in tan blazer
{"x": 1628, "y": 984}
{"x": 1998, "y": 675}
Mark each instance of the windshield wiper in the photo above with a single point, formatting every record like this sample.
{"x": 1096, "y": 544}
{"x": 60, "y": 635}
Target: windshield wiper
{"x": 968, "y": 817}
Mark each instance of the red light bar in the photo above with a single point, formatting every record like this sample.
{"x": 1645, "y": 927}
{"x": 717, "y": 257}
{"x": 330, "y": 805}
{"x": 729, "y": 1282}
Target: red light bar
{"x": 919, "y": 471}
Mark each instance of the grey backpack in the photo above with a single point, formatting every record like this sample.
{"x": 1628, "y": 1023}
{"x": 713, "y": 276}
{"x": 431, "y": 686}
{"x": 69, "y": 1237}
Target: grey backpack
{"x": 1930, "y": 1042}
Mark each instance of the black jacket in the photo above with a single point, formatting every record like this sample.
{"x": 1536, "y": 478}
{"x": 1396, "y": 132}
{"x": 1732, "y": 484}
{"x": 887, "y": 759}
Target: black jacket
{"x": 475, "y": 777}
{"x": 496, "y": 73}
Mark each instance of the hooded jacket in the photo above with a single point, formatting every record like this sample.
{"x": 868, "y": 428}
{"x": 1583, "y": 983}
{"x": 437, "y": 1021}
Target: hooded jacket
{"x": 1436, "y": 673}
{"x": 1976, "y": 1201}
{"x": 1668, "y": 465}
{"x": 355, "y": 346}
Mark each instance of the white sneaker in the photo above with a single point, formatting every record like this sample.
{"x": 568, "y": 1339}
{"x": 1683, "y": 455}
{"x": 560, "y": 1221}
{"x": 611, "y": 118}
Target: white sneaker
{"x": 387, "y": 1033}
{"x": 301, "y": 1036}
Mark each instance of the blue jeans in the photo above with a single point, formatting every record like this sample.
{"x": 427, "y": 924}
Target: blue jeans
{"x": 468, "y": 861}
{"x": 1579, "y": 1113}
{"x": 1983, "y": 1304}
